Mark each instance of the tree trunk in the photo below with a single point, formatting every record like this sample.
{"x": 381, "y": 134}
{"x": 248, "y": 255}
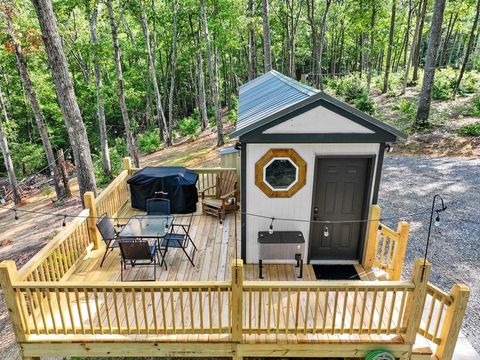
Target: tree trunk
{"x": 7, "y": 159}
{"x": 416, "y": 53}
{"x": 162, "y": 121}
{"x": 451, "y": 24}
{"x": 313, "y": 33}
{"x": 320, "y": 46}
{"x": 63, "y": 170}
{"x": 102, "y": 126}
{"x": 430, "y": 64}
{"x": 213, "y": 77}
{"x": 37, "y": 112}
{"x": 173, "y": 69}
{"x": 66, "y": 96}
{"x": 389, "y": 49}
{"x": 132, "y": 149}
{"x": 372, "y": 45}
{"x": 468, "y": 49}
{"x": 267, "y": 52}
{"x": 252, "y": 58}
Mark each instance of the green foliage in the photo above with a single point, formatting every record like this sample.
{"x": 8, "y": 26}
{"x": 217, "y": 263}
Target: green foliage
{"x": 364, "y": 103}
{"x": 121, "y": 147}
{"x": 444, "y": 84}
{"x": 407, "y": 109}
{"x": 475, "y": 106}
{"x": 189, "y": 126}
{"x": 472, "y": 129}
{"x": 27, "y": 158}
{"x": 232, "y": 116}
{"x": 149, "y": 141}
{"x": 212, "y": 122}
{"x": 47, "y": 190}
{"x": 116, "y": 161}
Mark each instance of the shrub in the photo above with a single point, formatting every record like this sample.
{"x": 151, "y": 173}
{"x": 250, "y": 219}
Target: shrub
{"x": 115, "y": 162}
{"x": 232, "y": 116}
{"x": 475, "y": 106}
{"x": 121, "y": 147}
{"x": 189, "y": 126}
{"x": 444, "y": 84}
{"x": 27, "y": 157}
{"x": 149, "y": 142}
{"x": 472, "y": 129}
{"x": 407, "y": 108}
{"x": 365, "y": 103}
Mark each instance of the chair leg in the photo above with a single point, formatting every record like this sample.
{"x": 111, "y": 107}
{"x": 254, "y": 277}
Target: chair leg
{"x": 188, "y": 256}
{"x": 105, "y": 255}
{"x": 122, "y": 264}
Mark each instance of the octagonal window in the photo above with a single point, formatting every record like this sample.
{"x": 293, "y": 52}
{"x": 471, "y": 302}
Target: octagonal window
{"x": 280, "y": 174}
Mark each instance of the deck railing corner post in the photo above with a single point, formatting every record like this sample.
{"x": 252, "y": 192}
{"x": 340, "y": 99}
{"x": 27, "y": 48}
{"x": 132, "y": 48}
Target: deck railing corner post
{"x": 372, "y": 229}
{"x": 416, "y": 300}
{"x": 403, "y": 231}
{"x": 8, "y": 276}
{"x": 127, "y": 165}
{"x": 237, "y": 300}
{"x": 90, "y": 204}
{"x": 452, "y": 321}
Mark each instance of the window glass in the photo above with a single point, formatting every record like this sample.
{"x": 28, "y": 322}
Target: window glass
{"x": 280, "y": 174}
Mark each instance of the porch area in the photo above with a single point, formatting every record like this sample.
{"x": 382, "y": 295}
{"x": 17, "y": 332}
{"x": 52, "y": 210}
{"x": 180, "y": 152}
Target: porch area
{"x": 62, "y": 303}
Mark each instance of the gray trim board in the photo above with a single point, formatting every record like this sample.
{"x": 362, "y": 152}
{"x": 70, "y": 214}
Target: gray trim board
{"x": 243, "y": 202}
{"x": 378, "y": 173}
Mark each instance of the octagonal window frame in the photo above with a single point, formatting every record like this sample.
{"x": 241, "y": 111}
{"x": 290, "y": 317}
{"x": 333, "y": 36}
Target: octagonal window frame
{"x": 267, "y": 159}
{"x": 283, "y": 188}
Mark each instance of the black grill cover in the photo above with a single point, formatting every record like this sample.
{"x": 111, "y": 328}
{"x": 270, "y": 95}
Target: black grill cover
{"x": 178, "y": 182}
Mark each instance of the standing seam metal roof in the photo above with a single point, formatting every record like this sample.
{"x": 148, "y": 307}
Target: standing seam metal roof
{"x": 269, "y": 94}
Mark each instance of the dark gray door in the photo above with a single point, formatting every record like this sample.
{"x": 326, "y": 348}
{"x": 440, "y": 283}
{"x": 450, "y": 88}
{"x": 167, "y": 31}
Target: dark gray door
{"x": 339, "y": 195}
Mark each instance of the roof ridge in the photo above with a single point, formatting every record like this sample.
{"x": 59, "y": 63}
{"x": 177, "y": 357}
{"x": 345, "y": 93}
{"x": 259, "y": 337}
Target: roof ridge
{"x": 308, "y": 90}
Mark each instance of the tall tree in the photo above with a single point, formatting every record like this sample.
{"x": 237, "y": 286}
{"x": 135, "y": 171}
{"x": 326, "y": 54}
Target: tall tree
{"x": 390, "y": 47}
{"x": 320, "y": 46}
{"x": 468, "y": 48}
{"x": 66, "y": 96}
{"x": 7, "y": 158}
{"x": 423, "y": 111}
{"x": 213, "y": 76}
{"x": 419, "y": 32}
{"x": 37, "y": 112}
{"x": 102, "y": 126}
{"x": 173, "y": 68}
{"x": 114, "y": 25}
{"x": 162, "y": 121}
{"x": 252, "y": 51}
{"x": 267, "y": 52}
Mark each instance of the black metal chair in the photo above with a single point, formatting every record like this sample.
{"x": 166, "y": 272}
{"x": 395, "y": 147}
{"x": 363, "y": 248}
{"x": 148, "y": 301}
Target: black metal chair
{"x": 138, "y": 253}
{"x": 158, "y": 207}
{"x": 178, "y": 238}
{"x": 109, "y": 234}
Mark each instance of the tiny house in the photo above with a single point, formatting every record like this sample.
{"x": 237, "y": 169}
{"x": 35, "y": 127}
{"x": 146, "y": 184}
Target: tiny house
{"x": 310, "y": 164}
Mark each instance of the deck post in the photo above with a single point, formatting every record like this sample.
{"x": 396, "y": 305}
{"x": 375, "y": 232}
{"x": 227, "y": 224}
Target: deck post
{"x": 453, "y": 321}
{"x": 371, "y": 245}
{"x": 237, "y": 301}
{"x": 8, "y": 276}
{"x": 416, "y": 300}
{"x": 127, "y": 165}
{"x": 90, "y": 204}
{"x": 403, "y": 231}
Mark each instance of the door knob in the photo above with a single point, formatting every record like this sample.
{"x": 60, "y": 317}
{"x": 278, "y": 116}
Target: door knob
{"x": 315, "y": 209}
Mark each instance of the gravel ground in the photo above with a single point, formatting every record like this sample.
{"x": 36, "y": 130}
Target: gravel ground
{"x": 408, "y": 185}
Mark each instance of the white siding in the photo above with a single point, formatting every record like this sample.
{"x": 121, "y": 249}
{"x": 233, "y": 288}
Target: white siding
{"x": 299, "y": 205}
{"x": 318, "y": 120}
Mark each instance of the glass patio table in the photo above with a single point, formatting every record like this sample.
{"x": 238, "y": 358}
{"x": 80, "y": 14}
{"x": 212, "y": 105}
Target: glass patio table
{"x": 147, "y": 226}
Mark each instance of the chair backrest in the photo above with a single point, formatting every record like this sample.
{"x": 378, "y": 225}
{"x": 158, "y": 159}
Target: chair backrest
{"x": 158, "y": 207}
{"x": 226, "y": 183}
{"x": 135, "y": 250}
{"x": 106, "y": 228}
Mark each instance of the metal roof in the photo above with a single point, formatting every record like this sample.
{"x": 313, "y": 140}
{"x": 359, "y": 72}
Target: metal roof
{"x": 274, "y": 95}
{"x": 267, "y": 95}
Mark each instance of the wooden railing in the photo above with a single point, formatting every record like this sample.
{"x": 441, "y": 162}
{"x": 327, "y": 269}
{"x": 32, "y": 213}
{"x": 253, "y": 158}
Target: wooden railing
{"x": 60, "y": 256}
{"x": 63, "y": 311}
{"x": 385, "y": 247}
{"x": 344, "y": 307}
{"x": 114, "y": 196}
{"x": 207, "y": 177}
{"x": 124, "y": 308}
{"x": 442, "y": 316}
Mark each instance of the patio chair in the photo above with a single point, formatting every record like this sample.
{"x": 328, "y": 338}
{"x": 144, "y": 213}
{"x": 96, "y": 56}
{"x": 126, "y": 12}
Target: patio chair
{"x": 158, "y": 207}
{"x": 109, "y": 234}
{"x": 138, "y": 253}
{"x": 225, "y": 189}
{"x": 178, "y": 238}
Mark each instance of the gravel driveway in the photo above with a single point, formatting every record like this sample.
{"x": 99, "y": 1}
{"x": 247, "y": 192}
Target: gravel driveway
{"x": 408, "y": 185}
